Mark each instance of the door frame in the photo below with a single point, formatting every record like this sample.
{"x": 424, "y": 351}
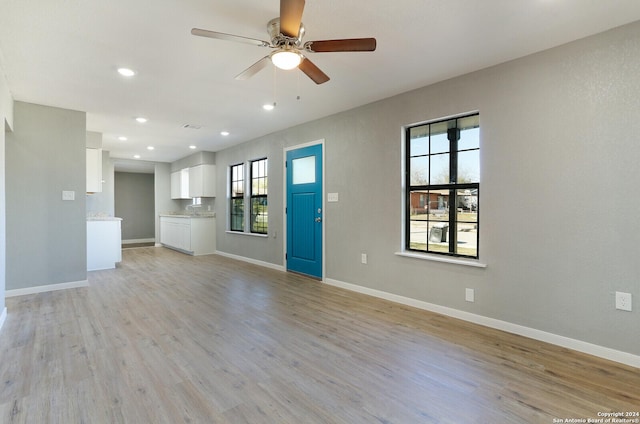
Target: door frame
{"x": 286, "y": 194}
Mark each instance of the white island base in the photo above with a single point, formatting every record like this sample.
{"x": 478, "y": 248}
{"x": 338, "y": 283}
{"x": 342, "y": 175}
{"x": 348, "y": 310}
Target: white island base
{"x": 104, "y": 243}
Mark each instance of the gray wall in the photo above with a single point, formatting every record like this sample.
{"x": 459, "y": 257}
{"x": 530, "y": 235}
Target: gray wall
{"x": 559, "y": 229}
{"x": 135, "y": 204}
{"x": 6, "y": 123}
{"x": 46, "y": 236}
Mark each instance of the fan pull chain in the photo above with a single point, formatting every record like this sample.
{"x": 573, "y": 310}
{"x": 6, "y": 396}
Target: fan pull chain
{"x": 275, "y": 85}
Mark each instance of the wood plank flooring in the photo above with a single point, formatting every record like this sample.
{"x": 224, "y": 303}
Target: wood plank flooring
{"x": 171, "y": 338}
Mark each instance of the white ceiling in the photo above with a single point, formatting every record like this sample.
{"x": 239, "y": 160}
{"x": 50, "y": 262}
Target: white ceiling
{"x": 65, "y": 53}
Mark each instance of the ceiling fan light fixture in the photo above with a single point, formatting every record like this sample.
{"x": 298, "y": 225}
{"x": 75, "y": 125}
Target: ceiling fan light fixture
{"x": 286, "y": 59}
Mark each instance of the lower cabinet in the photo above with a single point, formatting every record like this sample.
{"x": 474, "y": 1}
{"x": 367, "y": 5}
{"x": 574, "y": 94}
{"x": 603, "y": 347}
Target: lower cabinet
{"x": 104, "y": 243}
{"x": 192, "y": 235}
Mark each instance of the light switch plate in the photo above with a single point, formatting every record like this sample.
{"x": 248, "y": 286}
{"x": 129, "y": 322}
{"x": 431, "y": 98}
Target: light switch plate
{"x": 332, "y": 197}
{"x": 68, "y": 195}
{"x": 470, "y": 295}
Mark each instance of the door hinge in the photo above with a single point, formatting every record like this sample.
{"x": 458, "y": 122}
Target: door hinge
{"x": 286, "y": 256}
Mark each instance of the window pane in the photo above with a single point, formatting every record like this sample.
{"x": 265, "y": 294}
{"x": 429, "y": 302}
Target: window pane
{"x": 237, "y": 214}
{"x": 438, "y": 207}
{"x": 419, "y": 146}
{"x": 467, "y": 239}
{"x": 467, "y": 205}
{"x": 439, "y": 143}
{"x": 421, "y": 131}
{"x": 259, "y": 215}
{"x": 439, "y": 169}
{"x": 304, "y": 170}
{"x": 418, "y": 231}
{"x": 438, "y": 237}
{"x": 237, "y": 180}
{"x": 467, "y": 122}
{"x": 419, "y": 168}
{"x": 469, "y": 166}
{"x": 467, "y": 222}
{"x": 469, "y": 139}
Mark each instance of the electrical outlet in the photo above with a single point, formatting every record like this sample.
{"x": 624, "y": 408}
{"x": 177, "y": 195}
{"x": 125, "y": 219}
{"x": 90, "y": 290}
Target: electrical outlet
{"x": 623, "y": 301}
{"x": 469, "y": 295}
{"x": 363, "y": 258}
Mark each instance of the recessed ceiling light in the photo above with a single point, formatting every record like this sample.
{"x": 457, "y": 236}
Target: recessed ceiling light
{"x": 224, "y": 133}
{"x": 122, "y": 138}
{"x": 150, "y": 147}
{"x": 126, "y": 72}
{"x": 141, "y": 119}
{"x": 136, "y": 156}
{"x": 269, "y": 106}
{"x": 193, "y": 147}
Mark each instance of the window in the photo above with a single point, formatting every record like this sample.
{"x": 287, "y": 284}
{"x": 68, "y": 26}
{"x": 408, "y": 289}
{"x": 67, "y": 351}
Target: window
{"x": 248, "y": 188}
{"x": 236, "y": 179}
{"x": 259, "y": 209}
{"x": 443, "y": 187}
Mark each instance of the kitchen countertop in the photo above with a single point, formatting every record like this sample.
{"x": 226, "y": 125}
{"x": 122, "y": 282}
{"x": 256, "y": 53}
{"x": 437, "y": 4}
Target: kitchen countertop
{"x": 103, "y": 218}
{"x": 173, "y": 215}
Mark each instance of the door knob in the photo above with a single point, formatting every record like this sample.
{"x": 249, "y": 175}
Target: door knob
{"x": 318, "y": 219}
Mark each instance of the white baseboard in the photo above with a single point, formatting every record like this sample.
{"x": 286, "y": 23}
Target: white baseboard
{"x": 47, "y": 288}
{"x": 252, "y": 261}
{"x": 134, "y": 241}
{"x": 3, "y": 317}
{"x": 532, "y": 333}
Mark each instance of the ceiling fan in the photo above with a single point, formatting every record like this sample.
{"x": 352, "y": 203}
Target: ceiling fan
{"x": 286, "y": 33}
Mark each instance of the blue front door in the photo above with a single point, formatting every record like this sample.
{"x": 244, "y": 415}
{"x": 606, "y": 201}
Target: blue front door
{"x": 304, "y": 210}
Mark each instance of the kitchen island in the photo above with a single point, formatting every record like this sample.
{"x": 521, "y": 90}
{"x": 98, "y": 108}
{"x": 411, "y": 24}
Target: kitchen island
{"x": 191, "y": 234}
{"x": 104, "y": 242}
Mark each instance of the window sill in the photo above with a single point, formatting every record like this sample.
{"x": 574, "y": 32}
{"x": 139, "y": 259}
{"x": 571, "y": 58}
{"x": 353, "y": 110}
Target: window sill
{"x": 445, "y": 259}
{"x": 242, "y": 233}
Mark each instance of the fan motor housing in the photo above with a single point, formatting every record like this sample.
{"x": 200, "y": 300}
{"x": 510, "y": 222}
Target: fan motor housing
{"x": 280, "y": 40}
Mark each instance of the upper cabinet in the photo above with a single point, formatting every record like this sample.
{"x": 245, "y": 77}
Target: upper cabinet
{"x": 180, "y": 184}
{"x": 202, "y": 181}
{"x": 94, "y": 170}
{"x": 197, "y": 181}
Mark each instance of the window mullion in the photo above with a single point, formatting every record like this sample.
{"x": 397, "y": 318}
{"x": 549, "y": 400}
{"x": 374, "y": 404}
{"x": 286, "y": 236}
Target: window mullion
{"x": 247, "y": 198}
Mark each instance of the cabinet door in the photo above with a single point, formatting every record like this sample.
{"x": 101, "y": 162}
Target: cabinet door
{"x": 195, "y": 181}
{"x": 94, "y": 170}
{"x": 202, "y": 181}
{"x": 180, "y": 184}
{"x": 208, "y": 181}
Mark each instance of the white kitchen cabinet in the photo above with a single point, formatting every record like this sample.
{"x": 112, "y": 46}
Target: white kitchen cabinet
{"x": 180, "y": 184}
{"x": 94, "y": 170}
{"x": 202, "y": 181}
{"x": 104, "y": 243}
{"x": 192, "y": 235}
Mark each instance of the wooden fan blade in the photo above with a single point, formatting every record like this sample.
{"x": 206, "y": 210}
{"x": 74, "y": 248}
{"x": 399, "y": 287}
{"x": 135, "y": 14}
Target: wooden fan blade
{"x": 313, "y": 72}
{"x": 253, "y": 69}
{"x": 229, "y": 37}
{"x": 346, "y": 45}
{"x": 291, "y": 17}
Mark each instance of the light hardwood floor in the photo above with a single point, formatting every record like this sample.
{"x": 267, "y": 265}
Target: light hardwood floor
{"x": 170, "y": 338}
